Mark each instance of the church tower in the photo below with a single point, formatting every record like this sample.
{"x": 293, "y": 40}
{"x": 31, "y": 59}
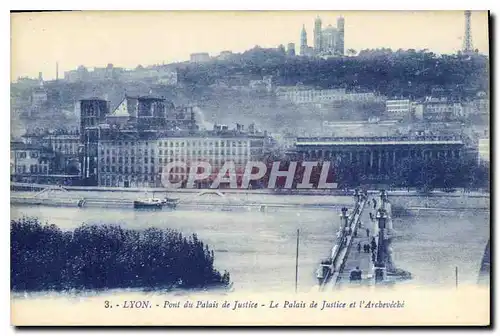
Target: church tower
{"x": 317, "y": 36}
{"x": 303, "y": 41}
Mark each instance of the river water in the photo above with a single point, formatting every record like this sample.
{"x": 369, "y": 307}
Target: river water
{"x": 259, "y": 248}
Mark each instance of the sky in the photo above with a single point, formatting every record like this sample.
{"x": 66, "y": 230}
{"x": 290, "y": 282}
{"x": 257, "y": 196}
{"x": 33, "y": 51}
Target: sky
{"x": 129, "y": 38}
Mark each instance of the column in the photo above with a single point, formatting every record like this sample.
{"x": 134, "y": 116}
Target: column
{"x": 371, "y": 161}
{"x": 379, "y": 167}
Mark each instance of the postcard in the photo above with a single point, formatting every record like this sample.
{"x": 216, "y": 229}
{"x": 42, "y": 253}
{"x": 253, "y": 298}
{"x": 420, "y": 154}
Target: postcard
{"x": 250, "y": 168}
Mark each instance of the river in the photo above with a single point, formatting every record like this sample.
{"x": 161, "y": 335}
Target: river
{"x": 258, "y": 248}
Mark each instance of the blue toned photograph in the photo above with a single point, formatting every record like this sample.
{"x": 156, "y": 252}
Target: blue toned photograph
{"x": 250, "y": 167}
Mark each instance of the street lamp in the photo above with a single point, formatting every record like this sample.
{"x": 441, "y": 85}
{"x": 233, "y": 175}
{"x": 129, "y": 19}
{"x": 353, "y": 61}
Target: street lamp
{"x": 380, "y": 268}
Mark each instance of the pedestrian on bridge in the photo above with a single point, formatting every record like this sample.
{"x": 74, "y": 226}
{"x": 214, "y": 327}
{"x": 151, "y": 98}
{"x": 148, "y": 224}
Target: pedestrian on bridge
{"x": 320, "y": 275}
{"x": 359, "y": 247}
{"x": 367, "y": 232}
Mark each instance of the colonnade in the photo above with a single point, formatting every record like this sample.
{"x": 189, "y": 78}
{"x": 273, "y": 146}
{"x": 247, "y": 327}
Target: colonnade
{"x": 379, "y": 160}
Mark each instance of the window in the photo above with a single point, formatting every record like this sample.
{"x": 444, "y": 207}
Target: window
{"x": 145, "y": 160}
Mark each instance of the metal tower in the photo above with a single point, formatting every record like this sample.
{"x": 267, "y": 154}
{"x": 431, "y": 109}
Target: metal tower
{"x": 467, "y": 47}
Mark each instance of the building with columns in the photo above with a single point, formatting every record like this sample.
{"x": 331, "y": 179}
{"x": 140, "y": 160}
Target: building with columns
{"x": 484, "y": 150}
{"x": 377, "y": 156}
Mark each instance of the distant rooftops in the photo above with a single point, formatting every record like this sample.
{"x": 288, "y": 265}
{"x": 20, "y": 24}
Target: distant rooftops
{"x": 93, "y": 99}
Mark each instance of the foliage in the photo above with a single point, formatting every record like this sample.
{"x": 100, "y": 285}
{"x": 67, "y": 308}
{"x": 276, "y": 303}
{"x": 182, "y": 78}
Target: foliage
{"x": 406, "y": 73}
{"x": 103, "y": 256}
{"x": 437, "y": 173}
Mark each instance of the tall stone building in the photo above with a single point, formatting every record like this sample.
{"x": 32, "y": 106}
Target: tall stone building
{"x": 327, "y": 41}
{"x": 317, "y": 36}
{"x": 303, "y": 41}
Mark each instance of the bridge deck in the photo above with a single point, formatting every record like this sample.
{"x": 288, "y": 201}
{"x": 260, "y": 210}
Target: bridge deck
{"x": 360, "y": 259}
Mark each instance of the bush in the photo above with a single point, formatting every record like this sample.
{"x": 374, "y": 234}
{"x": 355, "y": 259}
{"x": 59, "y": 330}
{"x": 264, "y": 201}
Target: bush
{"x": 103, "y": 256}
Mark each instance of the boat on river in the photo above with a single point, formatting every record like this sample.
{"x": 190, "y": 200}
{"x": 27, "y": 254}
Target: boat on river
{"x": 155, "y": 203}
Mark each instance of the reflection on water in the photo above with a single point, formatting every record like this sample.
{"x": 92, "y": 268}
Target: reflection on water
{"x": 258, "y": 249}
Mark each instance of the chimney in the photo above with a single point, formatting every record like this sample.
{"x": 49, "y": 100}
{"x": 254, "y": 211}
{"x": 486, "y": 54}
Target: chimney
{"x": 344, "y": 217}
{"x": 380, "y": 267}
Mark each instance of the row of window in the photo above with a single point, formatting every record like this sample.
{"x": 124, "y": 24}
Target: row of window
{"x": 177, "y": 153}
{"x": 24, "y": 155}
{"x": 34, "y": 169}
{"x": 186, "y": 143}
{"x": 151, "y": 168}
{"x": 66, "y": 149}
{"x": 128, "y": 181}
